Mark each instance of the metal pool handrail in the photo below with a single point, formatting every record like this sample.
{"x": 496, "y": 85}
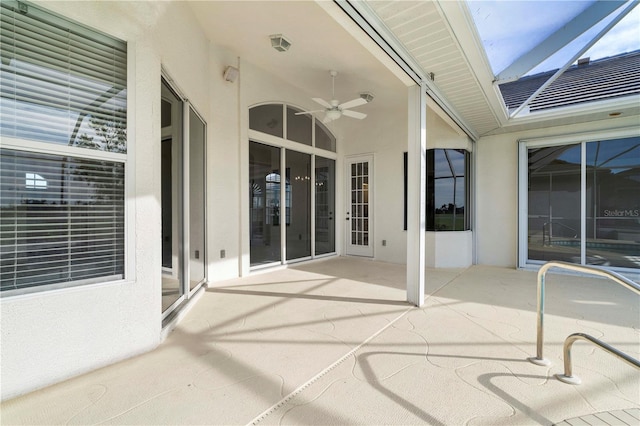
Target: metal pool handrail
{"x": 568, "y": 376}
{"x": 593, "y": 270}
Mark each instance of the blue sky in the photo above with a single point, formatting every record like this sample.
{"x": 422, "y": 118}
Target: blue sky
{"x": 511, "y": 28}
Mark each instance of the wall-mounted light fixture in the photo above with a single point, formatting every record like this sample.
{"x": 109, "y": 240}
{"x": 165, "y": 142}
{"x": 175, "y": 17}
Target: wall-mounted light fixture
{"x": 230, "y": 73}
{"x": 280, "y": 42}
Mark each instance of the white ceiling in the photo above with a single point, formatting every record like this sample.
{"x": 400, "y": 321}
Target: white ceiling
{"x": 319, "y": 44}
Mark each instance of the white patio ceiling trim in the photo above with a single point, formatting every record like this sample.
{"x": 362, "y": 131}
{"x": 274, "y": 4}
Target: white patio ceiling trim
{"x": 412, "y": 28}
{"x": 369, "y": 21}
{"x": 440, "y": 38}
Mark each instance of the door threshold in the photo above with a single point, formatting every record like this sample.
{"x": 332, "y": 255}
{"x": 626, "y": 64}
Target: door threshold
{"x": 173, "y": 319}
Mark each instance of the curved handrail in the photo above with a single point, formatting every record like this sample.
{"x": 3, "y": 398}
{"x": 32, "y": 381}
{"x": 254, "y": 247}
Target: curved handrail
{"x": 594, "y": 270}
{"x": 562, "y": 225}
{"x": 568, "y": 376}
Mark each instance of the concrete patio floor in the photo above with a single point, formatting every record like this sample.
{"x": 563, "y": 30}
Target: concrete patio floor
{"x": 333, "y": 342}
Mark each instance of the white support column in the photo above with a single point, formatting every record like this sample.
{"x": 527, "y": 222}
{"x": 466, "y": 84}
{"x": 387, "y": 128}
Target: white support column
{"x": 416, "y": 193}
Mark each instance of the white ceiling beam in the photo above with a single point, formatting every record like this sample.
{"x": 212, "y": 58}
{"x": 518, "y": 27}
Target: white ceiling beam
{"x": 556, "y": 41}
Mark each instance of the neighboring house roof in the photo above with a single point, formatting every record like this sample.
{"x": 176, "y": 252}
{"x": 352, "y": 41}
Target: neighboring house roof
{"x": 605, "y": 78}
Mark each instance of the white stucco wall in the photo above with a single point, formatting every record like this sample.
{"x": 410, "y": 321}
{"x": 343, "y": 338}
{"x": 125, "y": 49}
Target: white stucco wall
{"x": 383, "y": 134}
{"x": 497, "y": 187}
{"x": 50, "y": 336}
{"x": 449, "y": 249}
{"x": 223, "y": 174}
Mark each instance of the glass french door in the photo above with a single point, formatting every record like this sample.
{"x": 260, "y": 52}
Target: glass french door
{"x": 298, "y": 203}
{"x": 325, "y": 171}
{"x": 291, "y": 203}
{"x": 265, "y": 209}
{"x": 359, "y": 229}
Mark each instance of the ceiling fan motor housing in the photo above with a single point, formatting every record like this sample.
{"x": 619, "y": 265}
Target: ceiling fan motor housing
{"x": 333, "y": 114}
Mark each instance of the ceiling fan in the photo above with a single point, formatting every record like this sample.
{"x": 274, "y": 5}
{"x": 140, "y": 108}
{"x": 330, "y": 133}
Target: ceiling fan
{"x": 334, "y": 109}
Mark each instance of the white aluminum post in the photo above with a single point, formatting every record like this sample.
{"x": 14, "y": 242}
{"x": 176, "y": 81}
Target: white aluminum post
{"x": 416, "y": 193}
{"x": 283, "y": 204}
{"x": 186, "y": 207}
{"x": 313, "y": 206}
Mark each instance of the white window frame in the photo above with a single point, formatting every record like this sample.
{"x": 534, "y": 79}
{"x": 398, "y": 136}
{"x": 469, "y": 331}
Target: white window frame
{"x": 285, "y": 144}
{"x": 128, "y": 159}
{"x": 89, "y": 154}
{"x": 187, "y": 292}
{"x": 523, "y": 214}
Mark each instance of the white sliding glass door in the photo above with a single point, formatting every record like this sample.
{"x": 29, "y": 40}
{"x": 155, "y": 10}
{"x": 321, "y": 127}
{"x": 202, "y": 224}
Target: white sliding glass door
{"x": 292, "y": 172}
{"x": 183, "y": 192}
{"x": 580, "y": 202}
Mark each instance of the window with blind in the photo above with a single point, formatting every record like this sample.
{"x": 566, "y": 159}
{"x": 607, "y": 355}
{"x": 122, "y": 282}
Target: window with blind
{"x": 62, "y": 219}
{"x": 61, "y": 83}
{"x": 63, "y": 157}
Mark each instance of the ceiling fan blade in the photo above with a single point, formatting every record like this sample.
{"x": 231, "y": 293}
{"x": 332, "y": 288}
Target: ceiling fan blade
{"x": 322, "y": 102}
{"x": 308, "y": 112}
{"x": 353, "y": 114}
{"x": 352, "y": 103}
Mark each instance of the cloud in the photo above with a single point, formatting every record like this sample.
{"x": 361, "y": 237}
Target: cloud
{"x": 624, "y": 37}
{"x": 508, "y": 29}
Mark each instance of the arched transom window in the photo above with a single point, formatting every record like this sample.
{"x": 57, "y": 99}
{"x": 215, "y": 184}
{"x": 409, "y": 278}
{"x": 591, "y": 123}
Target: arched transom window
{"x": 284, "y": 121}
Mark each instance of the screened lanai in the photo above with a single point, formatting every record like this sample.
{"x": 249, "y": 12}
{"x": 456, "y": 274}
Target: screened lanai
{"x": 501, "y": 42}
{"x": 517, "y": 68}
{"x": 478, "y": 135}
{"x": 560, "y": 37}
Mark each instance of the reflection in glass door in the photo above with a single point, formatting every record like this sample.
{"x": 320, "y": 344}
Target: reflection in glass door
{"x": 265, "y": 212}
{"x": 359, "y": 190}
{"x": 183, "y": 201}
{"x": 325, "y": 205}
{"x": 554, "y": 203}
{"x": 278, "y": 201}
{"x": 171, "y": 182}
{"x": 613, "y": 203}
{"x": 196, "y": 223}
{"x": 583, "y": 203}
{"x": 298, "y": 204}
